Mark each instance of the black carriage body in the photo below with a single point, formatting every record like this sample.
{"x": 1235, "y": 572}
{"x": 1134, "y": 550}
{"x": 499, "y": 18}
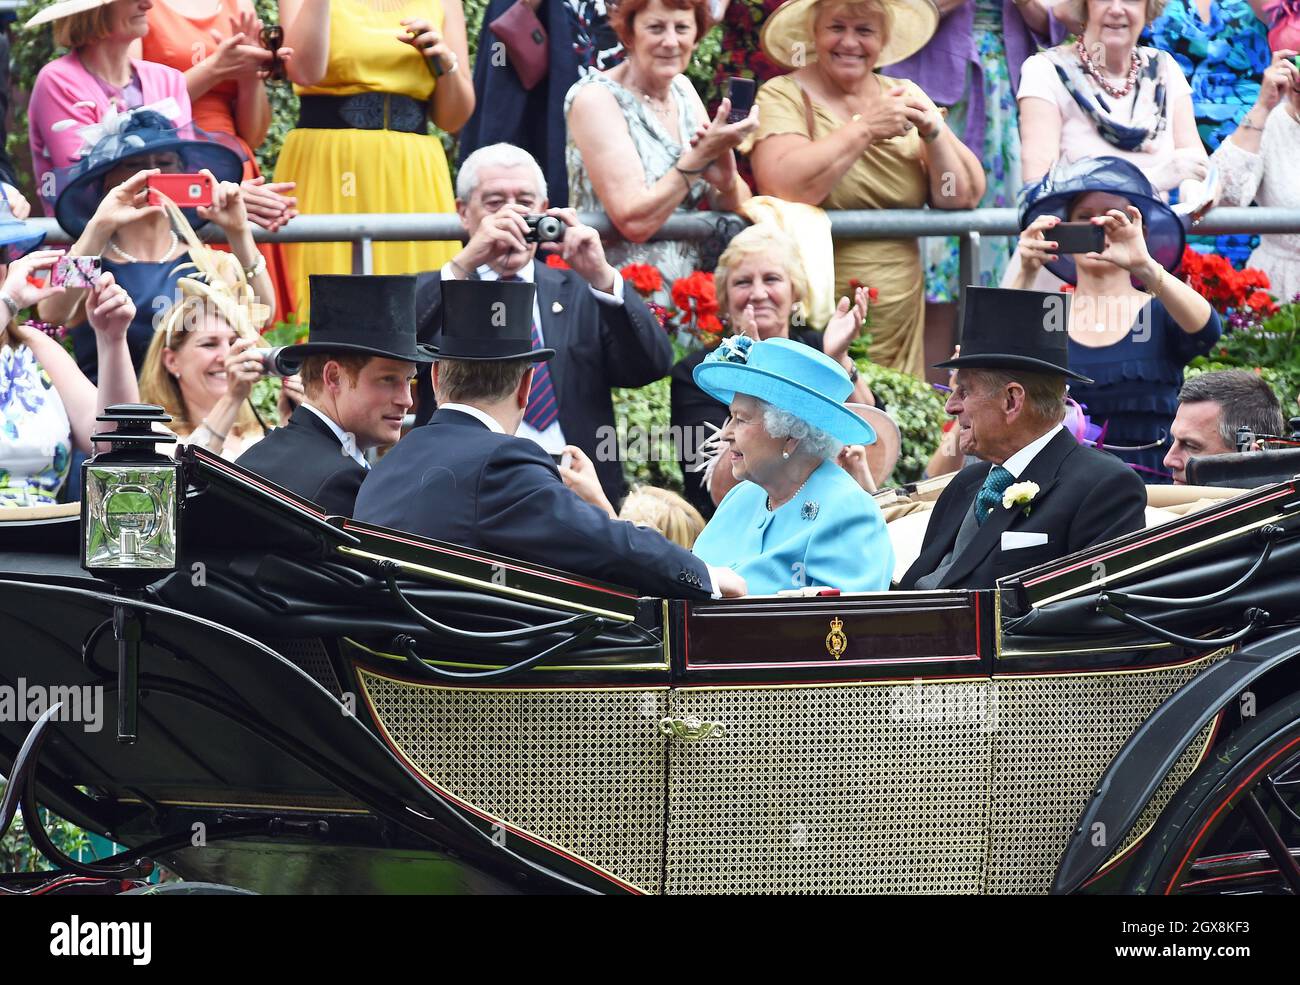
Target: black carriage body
{"x": 301, "y": 729}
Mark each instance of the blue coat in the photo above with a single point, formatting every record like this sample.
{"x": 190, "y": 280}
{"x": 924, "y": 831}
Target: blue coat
{"x": 456, "y": 481}
{"x": 831, "y": 534}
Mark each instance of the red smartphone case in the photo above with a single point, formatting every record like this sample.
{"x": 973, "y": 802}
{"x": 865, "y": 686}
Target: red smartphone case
{"x": 186, "y": 190}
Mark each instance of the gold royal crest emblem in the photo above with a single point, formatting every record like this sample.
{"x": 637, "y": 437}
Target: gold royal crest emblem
{"x": 836, "y": 641}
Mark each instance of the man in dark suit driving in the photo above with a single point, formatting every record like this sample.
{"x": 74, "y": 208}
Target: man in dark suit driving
{"x": 1037, "y": 494}
{"x": 602, "y": 332}
{"x": 465, "y": 478}
{"x": 356, "y": 370}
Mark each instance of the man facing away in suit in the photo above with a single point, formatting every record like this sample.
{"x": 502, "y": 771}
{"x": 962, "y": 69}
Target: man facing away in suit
{"x": 1037, "y": 494}
{"x": 357, "y": 366}
{"x": 601, "y": 330}
{"x": 466, "y": 478}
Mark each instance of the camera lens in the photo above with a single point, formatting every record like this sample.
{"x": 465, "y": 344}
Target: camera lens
{"x": 549, "y": 229}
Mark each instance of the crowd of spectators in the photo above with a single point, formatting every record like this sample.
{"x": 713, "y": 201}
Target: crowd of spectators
{"x": 1119, "y": 113}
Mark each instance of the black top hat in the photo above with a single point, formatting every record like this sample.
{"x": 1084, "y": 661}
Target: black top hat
{"x": 373, "y": 314}
{"x": 1007, "y": 329}
{"x": 488, "y": 321}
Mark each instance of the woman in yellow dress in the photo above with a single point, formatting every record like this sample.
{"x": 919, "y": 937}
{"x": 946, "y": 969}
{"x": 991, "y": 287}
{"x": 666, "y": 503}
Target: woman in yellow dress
{"x": 370, "y": 74}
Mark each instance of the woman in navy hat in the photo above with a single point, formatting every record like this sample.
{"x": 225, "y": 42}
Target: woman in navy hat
{"x": 47, "y": 407}
{"x": 103, "y": 202}
{"x": 796, "y": 520}
{"x": 1133, "y": 342}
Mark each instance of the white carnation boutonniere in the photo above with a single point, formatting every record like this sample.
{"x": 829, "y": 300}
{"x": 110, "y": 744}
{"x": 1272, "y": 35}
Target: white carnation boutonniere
{"x": 1020, "y": 494}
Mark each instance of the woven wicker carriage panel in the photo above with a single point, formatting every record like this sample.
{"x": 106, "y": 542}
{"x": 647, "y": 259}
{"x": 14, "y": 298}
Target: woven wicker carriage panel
{"x": 1055, "y": 736}
{"x": 1177, "y": 776}
{"x": 829, "y": 789}
{"x": 582, "y": 769}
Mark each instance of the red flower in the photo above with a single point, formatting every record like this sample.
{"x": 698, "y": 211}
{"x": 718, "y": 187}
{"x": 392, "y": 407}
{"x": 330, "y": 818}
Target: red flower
{"x": 645, "y": 278}
{"x": 872, "y": 293}
{"x": 556, "y": 261}
{"x": 709, "y": 325}
{"x": 694, "y": 295}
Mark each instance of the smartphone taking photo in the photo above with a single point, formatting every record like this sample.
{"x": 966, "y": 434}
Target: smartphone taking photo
{"x": 741, "y": 93}
{"x": 186, "y": 190}
{"x": 1077, "y": 237}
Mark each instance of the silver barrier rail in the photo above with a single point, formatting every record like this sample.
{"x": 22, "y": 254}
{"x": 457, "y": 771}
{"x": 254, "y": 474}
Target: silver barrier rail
{"x": 364, "y": 230}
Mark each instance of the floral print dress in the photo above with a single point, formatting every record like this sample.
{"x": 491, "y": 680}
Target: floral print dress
{"x": 1001, "y": 159}
{"x": 35, "y": 436}
{"x": 1223, "y": 59}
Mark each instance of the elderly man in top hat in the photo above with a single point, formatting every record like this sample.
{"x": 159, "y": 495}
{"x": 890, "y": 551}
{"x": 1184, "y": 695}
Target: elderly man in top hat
{"x": 1037, "y": 494}
{"x": 356, "y": 366}
{"x": 467, "y": 479}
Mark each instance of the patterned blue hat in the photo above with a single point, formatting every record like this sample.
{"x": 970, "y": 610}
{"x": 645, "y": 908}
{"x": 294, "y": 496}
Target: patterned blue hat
{"x": 787, "y": 374}
{"x": 1053, "y": 193}
{"x": 17, "y": 238}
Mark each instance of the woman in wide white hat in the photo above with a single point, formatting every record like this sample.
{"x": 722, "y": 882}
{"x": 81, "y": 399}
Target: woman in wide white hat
{"x": 838, "y": 134}
{"x": 796, "y": 520}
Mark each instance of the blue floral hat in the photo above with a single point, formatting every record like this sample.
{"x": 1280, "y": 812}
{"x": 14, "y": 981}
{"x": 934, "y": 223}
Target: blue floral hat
{"x": 135, "y": 134}
{"x": 17, "y": 238}
{"x": 786, "y": 374}
{"x": 1053, "y": 193}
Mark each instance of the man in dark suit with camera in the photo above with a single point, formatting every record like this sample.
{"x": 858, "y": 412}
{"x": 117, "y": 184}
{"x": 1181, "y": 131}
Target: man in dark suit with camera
{"x": 602, "y": 332}
{"x": 356, "y": 367}
{"x": 1038, "y": 494}
{"x": 465, "y": 478}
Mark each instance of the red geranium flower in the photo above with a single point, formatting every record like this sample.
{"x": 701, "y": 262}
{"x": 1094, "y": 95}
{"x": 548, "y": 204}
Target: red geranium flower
{"x": 644, "y": 277}
{"x": 556, "y": 261}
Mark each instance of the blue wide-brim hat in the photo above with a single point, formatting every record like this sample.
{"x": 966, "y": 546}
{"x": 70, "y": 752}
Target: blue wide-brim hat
{"x": 17, "y": 238}
{"x": 80, "y": 186}
{"x": 787, "y": 374}
{"x": 1053, "y": 193}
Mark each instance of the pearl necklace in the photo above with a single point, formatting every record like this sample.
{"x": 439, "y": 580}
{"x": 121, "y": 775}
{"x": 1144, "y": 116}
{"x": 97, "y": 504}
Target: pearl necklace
{"x": 130, "y": 259}
{"x": 1117, "y": 92}
{"x": 772, "y": 509}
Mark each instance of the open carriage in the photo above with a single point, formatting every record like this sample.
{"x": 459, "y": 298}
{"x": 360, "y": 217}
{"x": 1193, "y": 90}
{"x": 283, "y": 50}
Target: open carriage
{"x": 319, "y": 705}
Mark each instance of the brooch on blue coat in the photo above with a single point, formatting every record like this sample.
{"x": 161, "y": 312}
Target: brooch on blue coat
{"x": 809, "y": 509}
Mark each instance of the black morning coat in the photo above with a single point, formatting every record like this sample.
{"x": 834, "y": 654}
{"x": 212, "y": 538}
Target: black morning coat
{"x": 597, "y": 346}
{"x": 307, "y": 458}
{"x": 457, "y": 481}
{"x": 1085, "y": 497}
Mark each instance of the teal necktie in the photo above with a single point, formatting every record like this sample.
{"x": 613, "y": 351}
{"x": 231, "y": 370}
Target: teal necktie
{"x": 990, "y": 494}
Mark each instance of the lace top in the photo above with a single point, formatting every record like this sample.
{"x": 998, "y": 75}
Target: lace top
{"x": 1268, "y": 178}
{"x": 658, "y": 153}
{"x": 35, "y": 436}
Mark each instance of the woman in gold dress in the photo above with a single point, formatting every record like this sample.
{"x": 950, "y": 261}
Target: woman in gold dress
{"x": 835, "y": 133}
{"x": 370, "y": 75}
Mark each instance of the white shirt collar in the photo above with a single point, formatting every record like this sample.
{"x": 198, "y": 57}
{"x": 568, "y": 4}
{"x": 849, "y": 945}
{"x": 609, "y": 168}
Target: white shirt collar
{"x": 490, "y": 422}
{"x": 348, "y": 441}
{"x": 1018, "y": 462}
{"x": 524, "y": 273}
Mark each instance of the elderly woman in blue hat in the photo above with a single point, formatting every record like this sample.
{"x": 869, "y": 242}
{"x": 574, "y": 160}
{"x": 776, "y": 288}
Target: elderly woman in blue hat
{"x": 1132, "y": 341}
{"x": 47, "y": 407}
{"x": 796, "y": 520}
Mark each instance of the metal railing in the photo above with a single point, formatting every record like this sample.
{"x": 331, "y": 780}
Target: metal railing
{"x": 364, "y": 230}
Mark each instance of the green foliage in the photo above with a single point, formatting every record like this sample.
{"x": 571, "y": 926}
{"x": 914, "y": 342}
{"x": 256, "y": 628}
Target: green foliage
{"x": 284, "y": 104}
{"x": 918, "y": 410}
{"x": 641, "y": 414}
{"x": 29, "y": 53}
{"x": 702, "y": 71}
{"x": 1271, "y": 349}
{"x": 18, "y": 854}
